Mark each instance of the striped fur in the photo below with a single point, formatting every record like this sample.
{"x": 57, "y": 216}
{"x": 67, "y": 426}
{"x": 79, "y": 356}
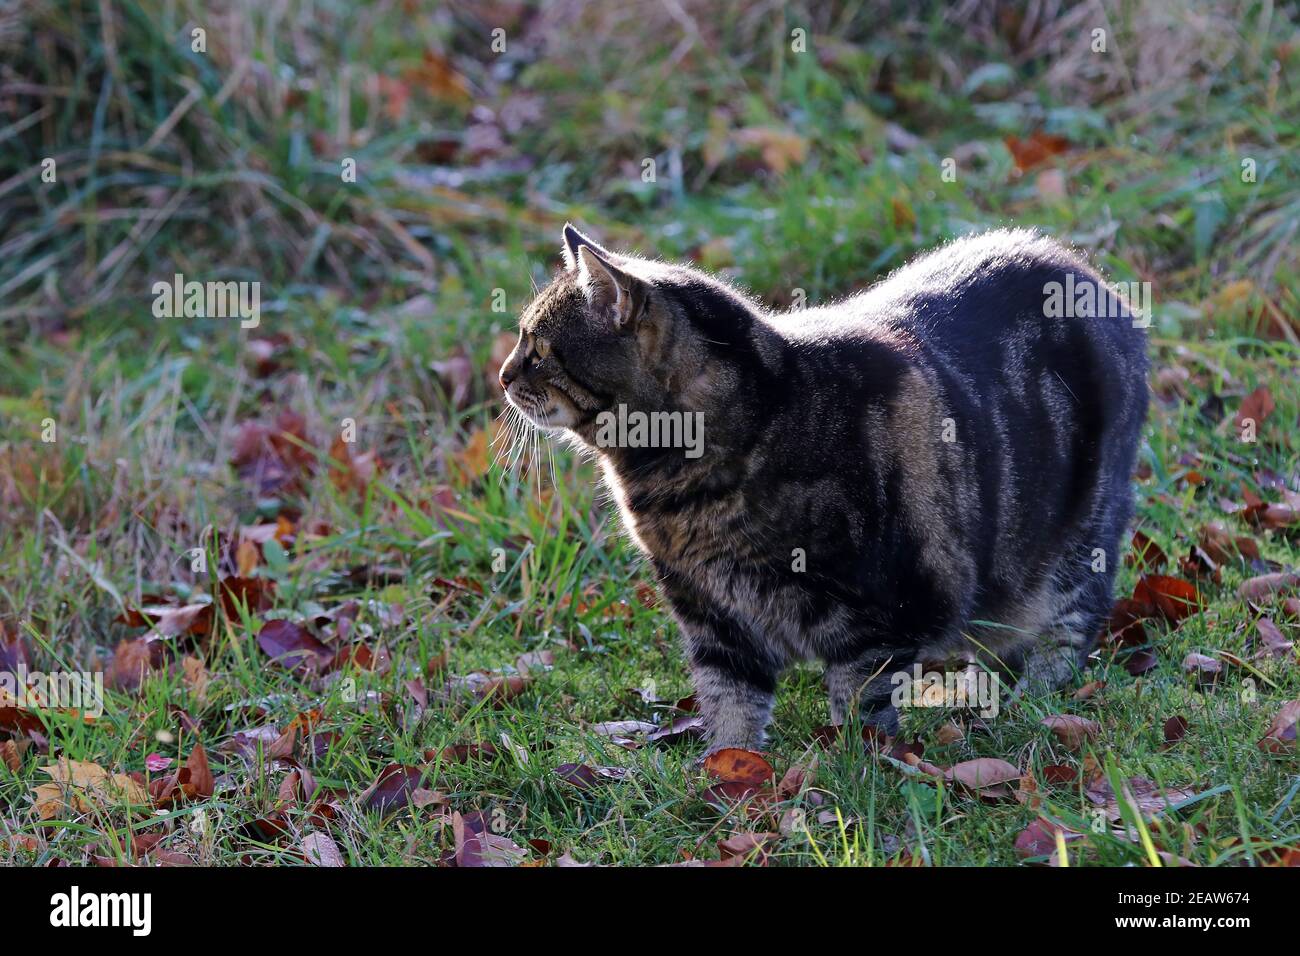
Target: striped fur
{"x": 828, "y": 517}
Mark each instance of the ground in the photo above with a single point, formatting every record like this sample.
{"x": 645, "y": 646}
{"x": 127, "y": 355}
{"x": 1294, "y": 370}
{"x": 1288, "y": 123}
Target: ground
{"x": 461, "y": 616}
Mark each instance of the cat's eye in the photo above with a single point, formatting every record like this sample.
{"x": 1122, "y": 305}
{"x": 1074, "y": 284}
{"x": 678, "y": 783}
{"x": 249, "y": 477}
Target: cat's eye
{"x": 542, "y": 347}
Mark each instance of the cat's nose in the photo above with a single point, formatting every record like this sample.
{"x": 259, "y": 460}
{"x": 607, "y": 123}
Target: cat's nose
{"x": 507, "y": 375}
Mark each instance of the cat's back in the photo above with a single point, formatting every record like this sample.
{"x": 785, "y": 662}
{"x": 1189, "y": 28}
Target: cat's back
{"x": 973, "y": 296}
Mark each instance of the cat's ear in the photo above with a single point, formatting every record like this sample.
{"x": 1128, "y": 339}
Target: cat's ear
{"x": 614, "y": 295}
{"x": 573, "y": 241}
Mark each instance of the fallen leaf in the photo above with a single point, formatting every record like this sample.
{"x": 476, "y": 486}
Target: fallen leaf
{"x": 476, "y": 846}
{"x": 1174, "y": 598}
{"x": 1205, "y": 669}
{"x": 1281, "y": 734}
{"x": 749, "y": 846}
{"x": 1259, "y": 588}
{"x": 1040, "y": 839}
{"x": 133, "y": 661}
{"x": 1145, "y": 553}
{"x": 1139, "y": 662}
{"x": 1050, "y": 184}
{"x": 779, "y": 147}
{"x": 1140, "y": 794}
{"x": 1072, "y": 730}
{"x": 292, "y": 645}
{"x": 734, "y": 765}
{"x": 393, "y": 788}
{"x": 1175, "y": 730}
{"x": 983, "y": 773}
{"x": 585, "y": 777}
{"x": 320, "y": 850}
{"x": 1255, "y": 407}
{"x": 1275, "y": 643}
{"x": 85, "y": 787}
{"x": 1037, "y": 149}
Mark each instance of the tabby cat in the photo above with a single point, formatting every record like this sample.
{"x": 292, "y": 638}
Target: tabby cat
{"x": 927, "y": 468}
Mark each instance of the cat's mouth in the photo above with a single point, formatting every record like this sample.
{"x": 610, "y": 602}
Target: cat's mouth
{"x": 547, "y": 408}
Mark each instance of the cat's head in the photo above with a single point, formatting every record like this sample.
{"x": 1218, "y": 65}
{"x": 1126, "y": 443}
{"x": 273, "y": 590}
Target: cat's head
{"x": 608, "y": 330}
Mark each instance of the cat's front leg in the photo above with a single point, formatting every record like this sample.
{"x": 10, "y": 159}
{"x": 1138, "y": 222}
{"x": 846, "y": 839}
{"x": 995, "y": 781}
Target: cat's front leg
{"x": 735, "y": 683}
{"x": 736, "y": 712}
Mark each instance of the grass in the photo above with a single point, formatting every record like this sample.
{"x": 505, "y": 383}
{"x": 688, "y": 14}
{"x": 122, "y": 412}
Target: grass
{"x": 378, "y": 304}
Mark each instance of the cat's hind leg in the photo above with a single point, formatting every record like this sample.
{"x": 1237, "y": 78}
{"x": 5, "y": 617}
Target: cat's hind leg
{"x": 865, "y": 685}
{"x": 1053, "y": 658}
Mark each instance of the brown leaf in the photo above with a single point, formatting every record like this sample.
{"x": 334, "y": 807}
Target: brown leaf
{"x": 292, "y": 645}
{"x": 258, "y": 594}
{"x": 1146, "y": 553}
{"x": 85, "y": 787}
{"x": 133, "y": 661}
{"x": 1089, "y": 690}
{"x": 691, "y": 728}
{"x": 456, "y": 375}
{"x": 1139, "y": 793}
{"x": 476, "y": 846}
{"x": 436, "y": 76}
{"x": 1058, "y": 774}
{"x": 585, "y": 777}
{"x": 949, "y": 733}
{"x": 1037, "y": 149}
{"x": 393, "y": 788}
{"x": 1281, "y": 734}
{"x": 464, "y": 753}
{"x": 1256, "y": 406}
{"x": 319, "y": 850}
{"x": 983, "y": 772}
{"x": 247, "y": 557}
{"x": 1259, "y": 588}
{"x": 13, "y": 652}
{"x": 749, "y": 846}
{"x": 11, "y": 753}
{"x": 1072, "y": 730}
{"x": 352, "y": 471}
{"x": 1275, "y": 643}
{"x": 1125, "y": 629}
{"x": 1205, "y": 669}
{"x": 1175, "y": 730}
{"x": 780, "y": 147}
{"x": 1039, "y": 839}
{"x": 734, "y": 765}
{"x": 192, "y": 781}
{"x": 1223, "y": 547}
{"x": 1139, "y": 662}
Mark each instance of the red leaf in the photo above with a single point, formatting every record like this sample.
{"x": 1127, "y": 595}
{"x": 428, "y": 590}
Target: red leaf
{"x": 1146, "y": 553}
{"x": 1174, "y": 598}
